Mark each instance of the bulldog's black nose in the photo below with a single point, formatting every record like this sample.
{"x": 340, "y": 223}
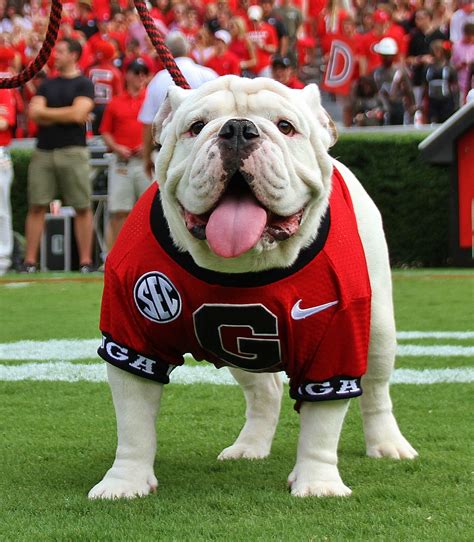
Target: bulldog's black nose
{"x": 239, "y": 132}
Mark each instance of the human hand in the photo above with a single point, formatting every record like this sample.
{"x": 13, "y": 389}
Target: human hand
{"x": 123, "y": 151}
{"x": 35, "y": 109}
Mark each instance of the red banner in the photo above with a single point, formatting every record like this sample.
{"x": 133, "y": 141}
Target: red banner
{"x": 340, "y": 69}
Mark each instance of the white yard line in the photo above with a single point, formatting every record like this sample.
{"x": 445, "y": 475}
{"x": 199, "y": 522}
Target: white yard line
{"x": 439, "y": 350}
{"x": 73, "y": 372}
{"x": 77, "y": 349}
{"x": 407, "y": 335}
{"x": 55, "y": 349}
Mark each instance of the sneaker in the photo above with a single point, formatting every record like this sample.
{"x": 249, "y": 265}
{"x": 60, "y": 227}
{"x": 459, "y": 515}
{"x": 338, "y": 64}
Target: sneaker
{"x": 87, "y": 268}
{"x": 25, "y": 267}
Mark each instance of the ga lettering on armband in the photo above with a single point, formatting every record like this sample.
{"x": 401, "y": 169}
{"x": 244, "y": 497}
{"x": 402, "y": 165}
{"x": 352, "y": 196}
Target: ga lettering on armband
{"x": 127, "y": 359}
{"x": 339, "y": 387}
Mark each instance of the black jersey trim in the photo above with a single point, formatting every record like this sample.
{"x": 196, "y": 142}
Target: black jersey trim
{"x": 339, "y": 387}
{"x": 131, "y": 361}
{"x": 160, "y": 230}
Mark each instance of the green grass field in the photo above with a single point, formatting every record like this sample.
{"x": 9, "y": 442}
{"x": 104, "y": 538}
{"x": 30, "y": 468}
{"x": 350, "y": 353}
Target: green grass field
{"x": 58, "y": 438}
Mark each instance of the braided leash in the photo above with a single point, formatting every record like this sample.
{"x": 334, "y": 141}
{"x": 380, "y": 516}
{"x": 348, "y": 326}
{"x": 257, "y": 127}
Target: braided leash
{"x": 157, "y": 40}
{"x": 44, "y": 53}
{"x": 52, "y": 33}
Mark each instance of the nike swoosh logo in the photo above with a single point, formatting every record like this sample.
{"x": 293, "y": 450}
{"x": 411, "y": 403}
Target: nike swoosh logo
{"x": 297, "y": 313}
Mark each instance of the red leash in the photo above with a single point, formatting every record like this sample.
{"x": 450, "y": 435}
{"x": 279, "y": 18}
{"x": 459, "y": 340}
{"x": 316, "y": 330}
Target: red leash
{"x": 52, "y": 33}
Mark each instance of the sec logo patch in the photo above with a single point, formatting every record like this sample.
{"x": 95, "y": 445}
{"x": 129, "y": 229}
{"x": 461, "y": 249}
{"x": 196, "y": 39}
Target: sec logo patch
{"x": 157, "y": 298}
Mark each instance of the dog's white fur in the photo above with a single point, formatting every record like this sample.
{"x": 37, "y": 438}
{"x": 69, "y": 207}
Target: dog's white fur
{"x": 294, "y": 173}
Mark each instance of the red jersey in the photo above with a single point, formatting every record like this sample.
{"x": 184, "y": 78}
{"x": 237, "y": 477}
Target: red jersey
{"x": 264, "y": 35}
{"x": 120, "y": 120}
{"x": 107, "y": 79}
{"x": 8, "y": 112}
{"x": 226, "y": 64}
{"x": 311, "y": 320}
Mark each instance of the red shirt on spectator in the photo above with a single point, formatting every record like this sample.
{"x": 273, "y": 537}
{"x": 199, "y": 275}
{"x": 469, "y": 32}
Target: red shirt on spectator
{"x": 107, "y": 79}
{"x": 328, "y": 27}
{"x": 315, "y": 7}
{"x": 121, "y": 119}
{"x": 294, "y": 82}
{"x": 226, "y": 64}
{"x": 8, "y": 112}
{"x": 262, "y": 35}
{"x": 240, "y": 49}
{"x": 101, "y": 9}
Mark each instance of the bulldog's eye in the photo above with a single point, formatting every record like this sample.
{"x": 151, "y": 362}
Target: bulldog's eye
{"x": 197, "y": 127}
{"x": 285, "y": 127}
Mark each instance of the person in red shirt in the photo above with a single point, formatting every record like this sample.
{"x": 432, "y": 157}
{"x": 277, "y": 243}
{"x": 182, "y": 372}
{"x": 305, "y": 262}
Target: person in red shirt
{"x": 284, "y": 73}
{"x": 329, "y": 24}
{"x": 241, "y": 46}
{"x": 107, "y": 79}
{"x": 265, "y": 39}
{"x": 85, "y": 20}
{"x": 383, "y": 28}
{"x": 7, "y": 121}
{"x": 242, "y": 11}
{"x": 66, "y": 29}
{"x": 9, "y": 61}
{"x": 101, "y": 8}
{"x": 224, "y": 62}
{"x": 123, "y": 134}
{"x": 190, "y": 25}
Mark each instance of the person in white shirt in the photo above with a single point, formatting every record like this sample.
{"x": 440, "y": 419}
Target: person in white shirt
{"x": 157, "y": 89}
{"x": 463, "y": 15}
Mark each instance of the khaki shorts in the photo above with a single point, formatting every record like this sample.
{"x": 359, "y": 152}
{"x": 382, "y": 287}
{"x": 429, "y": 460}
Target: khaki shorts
{"x": 60, "y": 173}
{"x": 126, "y": 183}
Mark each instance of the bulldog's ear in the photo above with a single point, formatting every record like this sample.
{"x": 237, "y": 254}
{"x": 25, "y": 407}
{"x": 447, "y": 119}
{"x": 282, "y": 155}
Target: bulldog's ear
{"x": 312, "y": 97}
{"x": 175, "y": 97}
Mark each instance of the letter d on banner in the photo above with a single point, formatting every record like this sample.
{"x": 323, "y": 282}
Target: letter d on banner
{"x": 340, "y": 68}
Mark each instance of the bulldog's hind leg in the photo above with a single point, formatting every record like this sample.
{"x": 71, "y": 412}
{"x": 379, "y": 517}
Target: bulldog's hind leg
{"x": 382, "y": 435}
{"x": 263, "y": 392}
{"x": 136, "y": 402}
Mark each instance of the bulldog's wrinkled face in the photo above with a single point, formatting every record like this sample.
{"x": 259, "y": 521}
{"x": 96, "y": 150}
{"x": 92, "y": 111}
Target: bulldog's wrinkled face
{"x": 243, "y": 170}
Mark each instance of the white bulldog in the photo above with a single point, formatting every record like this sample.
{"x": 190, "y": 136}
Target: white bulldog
{"x": 246, "y": 182}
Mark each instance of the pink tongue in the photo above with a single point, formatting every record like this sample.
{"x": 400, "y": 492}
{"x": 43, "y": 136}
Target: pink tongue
{"x": 236, "y": 225}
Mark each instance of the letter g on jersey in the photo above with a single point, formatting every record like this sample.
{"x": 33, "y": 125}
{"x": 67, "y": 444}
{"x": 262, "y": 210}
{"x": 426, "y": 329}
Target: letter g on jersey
{"x": 157, "y": 298}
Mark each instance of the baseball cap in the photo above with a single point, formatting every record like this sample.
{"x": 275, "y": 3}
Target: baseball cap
{"x": 386, "y": 46}
{"x": 255, "y": 13}
{"x": 213, "y": 25}
{"x": 224, "y": 36}
{"x": 137, "y": 66}
{"x": 278, "y": 60}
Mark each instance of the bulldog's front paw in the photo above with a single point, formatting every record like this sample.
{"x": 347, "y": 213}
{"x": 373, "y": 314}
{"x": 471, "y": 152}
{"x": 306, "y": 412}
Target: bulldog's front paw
{"x": 316, "y": 483}
{"x": 384, "y": 438}
{"x": 398, "y": 448}
{"x": 244, "y": 451}
{"x": 118, "y": 484}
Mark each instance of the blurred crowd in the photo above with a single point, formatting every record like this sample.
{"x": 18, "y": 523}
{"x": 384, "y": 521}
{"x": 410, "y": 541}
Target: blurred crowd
{"x": 411, "y": 61}
{"x": 385, "y": 62}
